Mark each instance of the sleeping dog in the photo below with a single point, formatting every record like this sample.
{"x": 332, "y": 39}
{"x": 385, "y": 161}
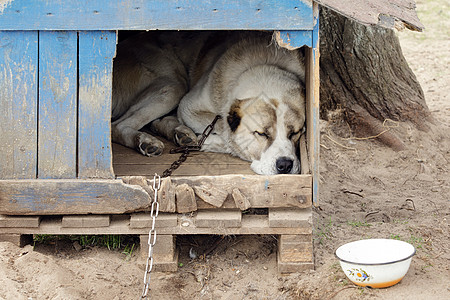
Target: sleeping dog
{"x": 256, "y": 87}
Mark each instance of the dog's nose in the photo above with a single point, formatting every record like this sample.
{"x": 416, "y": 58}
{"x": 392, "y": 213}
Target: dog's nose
{"x": 284, "y": 165}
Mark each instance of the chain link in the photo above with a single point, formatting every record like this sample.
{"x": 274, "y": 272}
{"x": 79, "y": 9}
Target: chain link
{"x": 155, "y": 204}
{"x": 185, "y": 150}
{"x": 151, "y": 235}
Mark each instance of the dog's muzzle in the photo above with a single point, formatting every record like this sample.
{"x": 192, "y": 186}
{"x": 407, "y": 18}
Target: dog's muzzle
{"x": 284, "y": 165}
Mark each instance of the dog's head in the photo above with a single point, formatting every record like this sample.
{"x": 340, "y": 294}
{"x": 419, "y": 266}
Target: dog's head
{"x": 266, "y": 120}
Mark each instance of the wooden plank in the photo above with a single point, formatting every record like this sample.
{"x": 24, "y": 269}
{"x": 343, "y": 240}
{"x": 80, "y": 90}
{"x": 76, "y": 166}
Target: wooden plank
{"x": 312, "y": 106}
{"x": 20, "y": 240}
{"x": 85, "y": 221}
{"x": 95, "y": 58}
{"x": 304, "y": 156}
{"x": 261, "y": 190}
{"x": 184, "y": 170}
{"x": 240, "y": 200}
{"x": 57, "y": 141}
{"x": 128, "y": 162}
{"x": 144, "y": 220}
{"x": 290, "y": 217}
{"x": 64, "y": 196}
{"x": 157, "y": 14}
{"x": 164, "y": 251}
{"x": 250, "y": 224}
{"x": 19, "y": 221}
{"x": 218, "y": 218}
{"x": 185, "y": 198}
{"x": 18, "y": 104}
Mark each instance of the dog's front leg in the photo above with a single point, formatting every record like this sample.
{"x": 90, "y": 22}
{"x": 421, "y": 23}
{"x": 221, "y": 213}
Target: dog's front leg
{"x": 125, "y": 133}
{"x": 170, "y": 128}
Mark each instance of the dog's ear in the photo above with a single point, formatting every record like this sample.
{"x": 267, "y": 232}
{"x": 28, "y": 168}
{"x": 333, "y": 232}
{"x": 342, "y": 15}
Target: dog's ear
{"x": 234, "y": 117}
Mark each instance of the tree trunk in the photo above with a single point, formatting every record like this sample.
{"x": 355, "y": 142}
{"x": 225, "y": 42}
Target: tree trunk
{"x": 363, "y": 72}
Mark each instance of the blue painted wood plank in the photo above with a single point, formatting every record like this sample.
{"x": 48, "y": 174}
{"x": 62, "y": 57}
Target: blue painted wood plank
{"x": 70, "y": 196}
{"x": 57, "y": 129}
{"x": 96, "y": 52}
{"x": 18, "y": 104}
{"x": 156, "y": 14}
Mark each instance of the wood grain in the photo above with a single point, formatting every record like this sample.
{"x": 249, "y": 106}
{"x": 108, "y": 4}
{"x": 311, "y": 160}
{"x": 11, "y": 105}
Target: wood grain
{"x": 157, "y": 14}
{"x": 57, "y": 143}
{"x": 96, "y": 52}
{"x": 18, "y": 104}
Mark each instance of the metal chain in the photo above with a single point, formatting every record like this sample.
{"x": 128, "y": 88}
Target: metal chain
{"x": 185, "y": 150}
{"x": 151, "y": 236}
{"x": 155, "y": 204}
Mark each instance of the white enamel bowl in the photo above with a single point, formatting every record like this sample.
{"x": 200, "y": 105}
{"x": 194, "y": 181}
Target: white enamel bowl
{"x": 376, "y": 263}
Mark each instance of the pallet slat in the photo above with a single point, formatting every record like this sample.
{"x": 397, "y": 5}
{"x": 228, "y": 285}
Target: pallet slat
{"x": 19, "y": 221}
{"x": 250, "y": 224}
{"x": 57, "y": 141}
{"x": 88, "y": 221}
{"x": 66, "y": 196}
{"x": 157, "y": 14}
{"x": 18, "y": 104}
{"x": 96, "y": 52}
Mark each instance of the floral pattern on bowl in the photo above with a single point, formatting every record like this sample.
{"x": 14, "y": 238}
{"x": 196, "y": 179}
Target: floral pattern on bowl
{"x": 359, "y": 275}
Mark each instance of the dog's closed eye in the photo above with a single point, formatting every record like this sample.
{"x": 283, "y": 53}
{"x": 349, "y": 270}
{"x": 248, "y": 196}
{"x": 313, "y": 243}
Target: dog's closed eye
{"x": 263, "y": 134}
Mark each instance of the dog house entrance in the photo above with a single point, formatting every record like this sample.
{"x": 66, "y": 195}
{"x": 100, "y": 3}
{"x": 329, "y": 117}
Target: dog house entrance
{"x": 128, "y": 162}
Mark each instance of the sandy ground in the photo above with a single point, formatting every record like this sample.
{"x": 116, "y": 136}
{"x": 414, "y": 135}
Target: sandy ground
{"x": 366, "y": 191}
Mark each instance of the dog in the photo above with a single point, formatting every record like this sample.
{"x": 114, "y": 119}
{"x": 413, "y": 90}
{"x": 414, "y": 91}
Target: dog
{"x": 257, "y": 87}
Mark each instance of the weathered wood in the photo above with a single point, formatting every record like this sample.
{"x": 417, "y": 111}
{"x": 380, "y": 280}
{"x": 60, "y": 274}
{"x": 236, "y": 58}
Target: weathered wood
{"x": 210, "y": 194}
{"x": 250, "y": 224}
{"x": 57, "y": 143}
{"x": 295, "y": 253}
{"x": 290, "y": 217}
{"x": 96, "y": 52}
{"x": 377, "y": 12}
{"x": 18, "y": 104}
{"x": 128, "y": 162}
{"x": 85, "y": 221}
{"x": 20, "y": 240}
{"x": 261, "y": 190}
{"x": 218, "y": 218}
{"x": 165, "y": 254}
{"x": 163, "y": 250}
{"x": 166, "y": 196}
{"x": 19, "y": 221}
{"x": 53, "y": 197}
{"x": 185, "y": 198}
{"x": 312, "y": 112}
{"x": 291, "y": 250}
{"x": 158, "y": 14}
{"x": 240, "y": 200}
{"x": 305, "y": 166}
{"x": 144, "y": 220}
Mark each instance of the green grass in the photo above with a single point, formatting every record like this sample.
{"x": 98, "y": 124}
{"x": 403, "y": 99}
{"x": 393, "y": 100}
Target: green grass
{"x": 124, "y": 243}
{"x": 324, "y": 232}
{"x": 417, "y": 242}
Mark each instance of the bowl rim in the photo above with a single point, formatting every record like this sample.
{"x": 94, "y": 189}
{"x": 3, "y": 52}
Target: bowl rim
{"x": 376, "y": 264}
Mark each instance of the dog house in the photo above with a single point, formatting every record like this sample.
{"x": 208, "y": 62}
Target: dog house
{"x": 59, "y": 172}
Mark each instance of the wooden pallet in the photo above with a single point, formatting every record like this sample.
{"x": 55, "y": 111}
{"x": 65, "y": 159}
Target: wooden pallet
{"x": 293, "y": 226}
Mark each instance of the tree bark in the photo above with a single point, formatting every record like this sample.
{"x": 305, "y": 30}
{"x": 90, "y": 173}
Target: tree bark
{"x": 363, "y": 73}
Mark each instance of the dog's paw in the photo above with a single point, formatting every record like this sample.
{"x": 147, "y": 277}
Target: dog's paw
{"x": 149, "y": 145}
{"x": 184, "y": 136}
